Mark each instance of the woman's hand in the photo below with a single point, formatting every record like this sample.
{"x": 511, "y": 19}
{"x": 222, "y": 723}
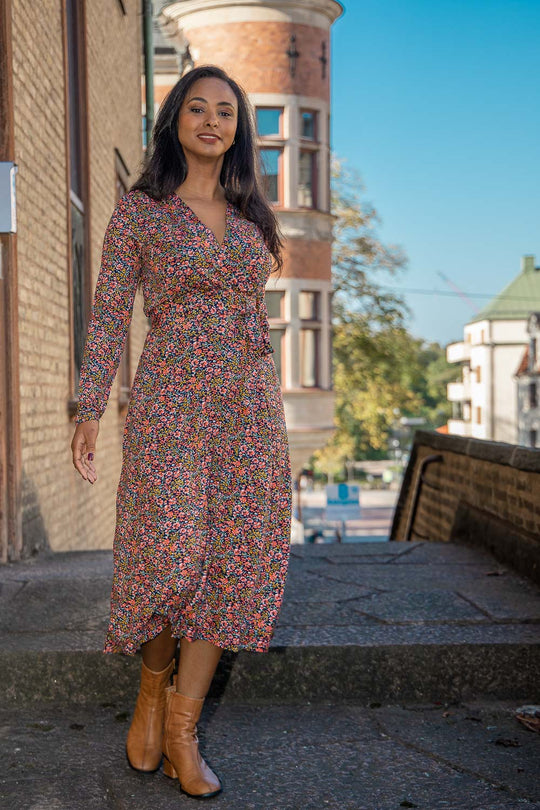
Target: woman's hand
{"x": 83, "y": 447}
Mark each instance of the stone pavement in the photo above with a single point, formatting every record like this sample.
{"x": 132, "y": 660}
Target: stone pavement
{"x": 360, "y": 621}
{"x": 280, "y": 757}
{"x": 392, "y": 681}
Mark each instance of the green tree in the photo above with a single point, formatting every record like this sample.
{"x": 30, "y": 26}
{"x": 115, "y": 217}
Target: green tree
{"x": 360, "y": 261}
{"x": 380, "y": 369}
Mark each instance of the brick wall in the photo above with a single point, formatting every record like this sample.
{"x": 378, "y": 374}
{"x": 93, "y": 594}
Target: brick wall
{"x": 307, "y": 258}
{"x": 60, "y": 511}
{"x": 255, "y": 54}
{"x": 478, "y": 492}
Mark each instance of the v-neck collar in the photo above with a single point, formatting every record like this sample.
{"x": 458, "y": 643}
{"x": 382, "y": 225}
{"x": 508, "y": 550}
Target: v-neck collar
{"x": 198, "y": 221}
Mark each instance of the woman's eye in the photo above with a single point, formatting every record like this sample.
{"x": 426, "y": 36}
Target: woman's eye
{"x": 226, "y": 114}
{"x": 195, "y": 109}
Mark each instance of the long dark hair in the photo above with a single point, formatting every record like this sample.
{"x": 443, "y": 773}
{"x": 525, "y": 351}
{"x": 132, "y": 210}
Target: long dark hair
{"x": 166, "y": 166}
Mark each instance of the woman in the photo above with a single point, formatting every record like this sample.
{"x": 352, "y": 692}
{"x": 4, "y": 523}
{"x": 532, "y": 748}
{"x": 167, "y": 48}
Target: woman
{"x": 203, "y": 506}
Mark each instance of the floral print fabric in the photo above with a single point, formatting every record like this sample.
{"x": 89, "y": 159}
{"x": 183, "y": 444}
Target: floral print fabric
{"x": 204, "y": 498}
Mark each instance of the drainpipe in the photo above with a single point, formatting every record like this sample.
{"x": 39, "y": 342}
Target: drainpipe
{"x": 148, "y": 37}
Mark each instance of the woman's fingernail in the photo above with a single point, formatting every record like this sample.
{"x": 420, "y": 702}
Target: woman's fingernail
{"x": 90, "y": 456}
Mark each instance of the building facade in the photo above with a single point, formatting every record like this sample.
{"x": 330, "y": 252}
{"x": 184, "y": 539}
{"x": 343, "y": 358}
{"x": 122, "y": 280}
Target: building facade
{"x": 485, "y": 400}
{"x": 528, "y": 387}
{"x": 279, "y": 51}
{"x": 71, "y": 125}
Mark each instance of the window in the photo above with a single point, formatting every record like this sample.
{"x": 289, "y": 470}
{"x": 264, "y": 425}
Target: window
{"x": 270, "y": 131}
{"x": 76, "y": 116}
{"x": 532, "y": 438}
{"x": 532, "y": 354}
{"x": 478, "y": 371}
{"x": 271, "y": 164}
{"x": 274, "y": 303}
{"x": 309, "y": 357}
{"x": 533, "y": 395}
{"x": 308, "y": 125}
{"x": 277, "y": 337}
{"x": 308, "y": 305}
{"x": 478, "y": 415}
{"x": 457, "y": 411}
{"x": 143, "y": 134}
{"x": 307, "y": 181}
{"x": 269, "y": 121}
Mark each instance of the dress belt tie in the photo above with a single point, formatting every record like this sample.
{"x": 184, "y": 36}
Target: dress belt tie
{"x": 254, "y": 331}
{"x": 248, "y": 319}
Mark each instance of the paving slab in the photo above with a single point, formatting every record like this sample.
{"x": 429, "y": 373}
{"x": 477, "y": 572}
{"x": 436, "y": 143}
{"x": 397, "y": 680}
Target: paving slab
{"x": 279, "y": 757}
{"x": 385, "y": 621}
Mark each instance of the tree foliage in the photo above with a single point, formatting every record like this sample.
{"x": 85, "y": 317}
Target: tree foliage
{"x": 360, "y": 261}
{"x": 381, "y": 371}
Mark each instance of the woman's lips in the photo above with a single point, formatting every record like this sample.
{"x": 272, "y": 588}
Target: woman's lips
{"x": 209, "y": 138}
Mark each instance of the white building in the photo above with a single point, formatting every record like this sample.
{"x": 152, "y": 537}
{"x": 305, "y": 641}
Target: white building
{"x": 528, "y": 387}
{"x": 485, "y": 400}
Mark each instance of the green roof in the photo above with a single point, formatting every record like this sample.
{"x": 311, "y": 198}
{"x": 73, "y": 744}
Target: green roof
{"x": 518, "y": 299}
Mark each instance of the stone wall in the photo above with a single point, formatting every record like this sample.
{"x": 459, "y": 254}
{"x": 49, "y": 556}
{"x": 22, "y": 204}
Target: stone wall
{"x": 60, "y": 511}
{"x": 475, "y": 492}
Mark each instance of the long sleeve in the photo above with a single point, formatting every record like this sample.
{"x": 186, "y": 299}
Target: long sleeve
{"x": 111, "y": 313}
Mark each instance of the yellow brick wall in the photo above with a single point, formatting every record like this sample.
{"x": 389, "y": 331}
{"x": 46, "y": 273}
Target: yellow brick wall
{"x": 59, "y": 510}
{"x": 500, "y": 480}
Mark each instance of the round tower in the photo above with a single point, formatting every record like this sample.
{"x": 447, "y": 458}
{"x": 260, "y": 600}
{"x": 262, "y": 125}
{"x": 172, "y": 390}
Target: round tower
{"x": 279, "y": 51}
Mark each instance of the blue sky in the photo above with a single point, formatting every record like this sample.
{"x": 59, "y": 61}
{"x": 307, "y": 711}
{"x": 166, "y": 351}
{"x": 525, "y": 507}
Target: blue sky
{"x": 437, "y": 104}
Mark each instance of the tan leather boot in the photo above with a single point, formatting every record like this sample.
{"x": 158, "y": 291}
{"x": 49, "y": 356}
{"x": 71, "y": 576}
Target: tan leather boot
{"x": 182, "y": 759}
{"x": 144, "y": 740}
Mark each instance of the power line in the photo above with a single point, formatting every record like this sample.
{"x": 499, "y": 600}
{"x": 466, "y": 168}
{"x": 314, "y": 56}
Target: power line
{"x": 419, "y": 291}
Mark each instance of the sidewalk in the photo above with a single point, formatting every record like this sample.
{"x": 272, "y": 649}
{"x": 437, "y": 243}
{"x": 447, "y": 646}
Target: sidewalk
{"x": 301, "y": 757}
{"x": 393, "y": 677}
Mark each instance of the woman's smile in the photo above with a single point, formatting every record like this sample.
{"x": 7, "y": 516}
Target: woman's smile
{"x": 209, "y": 137}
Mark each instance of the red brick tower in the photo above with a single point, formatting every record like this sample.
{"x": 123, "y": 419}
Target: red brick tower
{"x": 279, "y": 51}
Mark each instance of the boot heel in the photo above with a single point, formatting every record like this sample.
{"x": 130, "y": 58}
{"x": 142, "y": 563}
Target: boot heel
{"x": 168, "y": 769}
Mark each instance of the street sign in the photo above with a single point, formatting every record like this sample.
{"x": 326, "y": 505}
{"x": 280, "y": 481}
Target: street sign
{"x": 342, "y": 502}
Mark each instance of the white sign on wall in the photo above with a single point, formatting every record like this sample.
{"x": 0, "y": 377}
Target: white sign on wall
{"x": 342, "y": 502}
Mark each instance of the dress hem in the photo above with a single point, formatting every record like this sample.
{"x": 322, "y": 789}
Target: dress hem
{"x": 132, "y": 648}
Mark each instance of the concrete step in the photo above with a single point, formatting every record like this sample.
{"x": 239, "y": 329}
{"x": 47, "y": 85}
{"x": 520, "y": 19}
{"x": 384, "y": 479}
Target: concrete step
{"x": 367, "y": 622}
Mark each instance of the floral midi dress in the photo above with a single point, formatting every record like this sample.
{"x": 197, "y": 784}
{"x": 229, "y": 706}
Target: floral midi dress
{"x": 203, "y": 507}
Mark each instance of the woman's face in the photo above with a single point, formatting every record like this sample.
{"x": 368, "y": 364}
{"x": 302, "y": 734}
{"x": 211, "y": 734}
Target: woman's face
{"x": 208, "y": 118}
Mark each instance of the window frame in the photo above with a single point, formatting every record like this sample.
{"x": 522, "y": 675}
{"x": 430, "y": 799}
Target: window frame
{"x": 280, "y": 174}
{"x": 274, "y": 135}
{"x": 275, "y": 328}
{"x": 304, "y": 139}
{"x": 81, "y": 202}
{"x": 313, "y": 153}
{"x": 317, "y": 336}
{"x": 281, "y": 316}
{"x": 315, "y": 318}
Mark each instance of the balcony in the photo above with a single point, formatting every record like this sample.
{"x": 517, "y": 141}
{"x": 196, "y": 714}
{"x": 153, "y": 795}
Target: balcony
{"x": 458, "y": 427}
{"x": 458, "y": 352}
{"x": 458, "y": 391}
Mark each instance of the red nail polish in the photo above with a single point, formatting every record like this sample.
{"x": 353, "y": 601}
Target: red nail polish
{"x": 90, "y": 456}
